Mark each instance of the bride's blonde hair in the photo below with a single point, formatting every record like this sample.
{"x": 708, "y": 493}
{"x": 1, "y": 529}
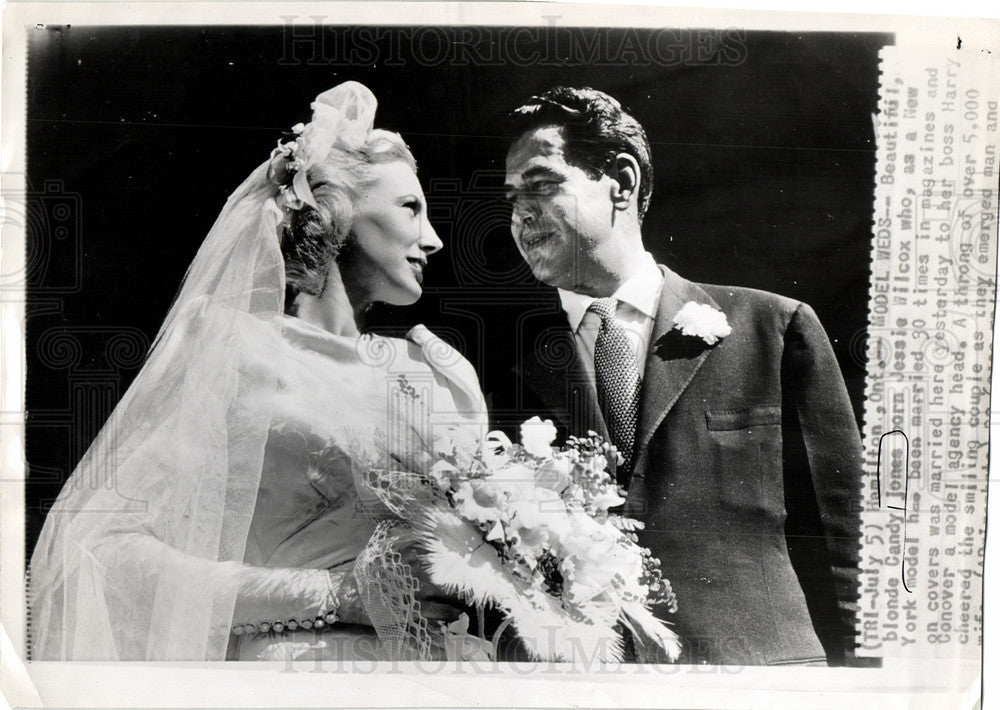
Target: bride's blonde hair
{"x": 312, "y": 238}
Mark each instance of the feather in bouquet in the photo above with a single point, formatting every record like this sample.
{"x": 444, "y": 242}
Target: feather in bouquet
{"x": 526, "y": 528}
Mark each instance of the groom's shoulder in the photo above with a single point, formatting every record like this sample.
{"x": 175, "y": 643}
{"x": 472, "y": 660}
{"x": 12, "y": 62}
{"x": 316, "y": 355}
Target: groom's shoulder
{"x": 754, "y": 303}
{"x": 751, "y": 298}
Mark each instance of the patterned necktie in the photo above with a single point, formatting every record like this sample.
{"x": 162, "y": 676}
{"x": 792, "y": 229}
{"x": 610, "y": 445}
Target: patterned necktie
{"x": 618, "y": 381}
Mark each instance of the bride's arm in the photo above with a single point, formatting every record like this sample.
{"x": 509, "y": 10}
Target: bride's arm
{"x": 133, "y": 560}
{"x": 140, "y": 562}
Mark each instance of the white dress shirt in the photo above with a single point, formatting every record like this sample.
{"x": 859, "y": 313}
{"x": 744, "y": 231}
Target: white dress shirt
{"x": 638, "y": 299}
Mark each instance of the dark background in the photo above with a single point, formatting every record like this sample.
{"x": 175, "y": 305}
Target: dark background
{"x": 763, "y": 151}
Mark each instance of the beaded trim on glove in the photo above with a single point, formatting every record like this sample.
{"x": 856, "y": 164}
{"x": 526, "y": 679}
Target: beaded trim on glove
{"x": 320, "y": 622}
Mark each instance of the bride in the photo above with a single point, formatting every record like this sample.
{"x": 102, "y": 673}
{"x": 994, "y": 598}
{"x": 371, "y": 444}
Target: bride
{"x": 225, "y": 510}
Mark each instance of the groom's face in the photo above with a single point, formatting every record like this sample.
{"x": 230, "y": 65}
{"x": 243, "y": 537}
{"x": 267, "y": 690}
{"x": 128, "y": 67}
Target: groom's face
{"x": 562, "y": 218}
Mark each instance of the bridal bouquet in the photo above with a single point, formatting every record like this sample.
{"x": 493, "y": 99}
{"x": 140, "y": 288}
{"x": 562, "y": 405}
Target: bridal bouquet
{"x": 527, "y": 528}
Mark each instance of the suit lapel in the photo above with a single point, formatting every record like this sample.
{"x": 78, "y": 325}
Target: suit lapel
{"x": 552, "y": 369}
{"x": 672, "y": 361}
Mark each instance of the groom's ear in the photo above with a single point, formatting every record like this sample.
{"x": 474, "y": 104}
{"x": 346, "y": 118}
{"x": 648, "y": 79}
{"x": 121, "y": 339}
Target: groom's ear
{"x": 625, "y": 185}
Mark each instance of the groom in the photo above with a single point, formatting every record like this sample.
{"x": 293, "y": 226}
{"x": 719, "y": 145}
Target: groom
{"x": 741, "y": 452}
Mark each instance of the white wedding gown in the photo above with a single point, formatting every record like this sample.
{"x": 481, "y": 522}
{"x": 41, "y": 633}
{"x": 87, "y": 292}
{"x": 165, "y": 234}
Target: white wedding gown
{"x": 346, "y": 405}
{"x": 230, "y": 478}
{"x": 139, "y": 583}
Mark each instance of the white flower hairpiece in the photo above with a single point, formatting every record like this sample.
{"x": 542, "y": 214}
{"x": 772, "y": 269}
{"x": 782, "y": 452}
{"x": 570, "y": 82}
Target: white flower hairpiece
{"x": 702, "y": 321}
{"x": 343, "y": 115}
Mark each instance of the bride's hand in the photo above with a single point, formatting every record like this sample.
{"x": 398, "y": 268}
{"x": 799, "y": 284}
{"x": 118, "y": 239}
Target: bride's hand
{"x": 436, "y": 605}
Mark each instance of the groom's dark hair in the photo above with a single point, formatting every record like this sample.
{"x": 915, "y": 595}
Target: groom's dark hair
{"x": 595, "y": 127}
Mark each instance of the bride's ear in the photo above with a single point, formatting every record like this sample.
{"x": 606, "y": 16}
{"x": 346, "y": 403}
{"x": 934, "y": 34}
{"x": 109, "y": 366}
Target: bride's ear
{"x": 625, "y": 185}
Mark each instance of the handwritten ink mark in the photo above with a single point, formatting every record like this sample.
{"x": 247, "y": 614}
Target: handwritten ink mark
{"x": 906, "y": 488}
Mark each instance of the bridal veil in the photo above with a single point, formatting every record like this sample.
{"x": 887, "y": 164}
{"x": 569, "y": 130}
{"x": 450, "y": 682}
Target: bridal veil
{"x": 140, "y": 555}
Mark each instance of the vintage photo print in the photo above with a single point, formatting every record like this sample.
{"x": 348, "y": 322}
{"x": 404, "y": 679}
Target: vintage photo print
{"x": 502, "y": 354}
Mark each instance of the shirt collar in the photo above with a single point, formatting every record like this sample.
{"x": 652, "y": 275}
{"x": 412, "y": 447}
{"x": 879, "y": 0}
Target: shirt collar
{"x": 641, "y": 291}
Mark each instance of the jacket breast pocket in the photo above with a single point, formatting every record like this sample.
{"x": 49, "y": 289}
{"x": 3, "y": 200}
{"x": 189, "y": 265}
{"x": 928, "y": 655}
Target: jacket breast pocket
{"x": 733, "y": 419}
{"x": 745, "y": 453}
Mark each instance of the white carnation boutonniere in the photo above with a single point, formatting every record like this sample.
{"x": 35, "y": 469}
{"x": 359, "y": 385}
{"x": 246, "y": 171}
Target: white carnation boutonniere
{"x": 702, "y": 321}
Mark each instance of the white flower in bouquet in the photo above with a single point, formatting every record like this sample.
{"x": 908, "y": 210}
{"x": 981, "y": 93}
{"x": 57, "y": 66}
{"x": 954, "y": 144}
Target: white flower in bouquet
{"x": 527, "y": 528}
{"x": 539, "y": 518}
{"x": 555, "y": 475}
{"x": 444, "y": 474}
{"x": 480, "y": 501}
{"x": 458, "y": 445}
{"x": 513, "y": 475}
{"x": 605, "y": 500}
{"x": 537, "y": 437}
{"x": 495, "y": 452}
{"x": 601, "y": 561}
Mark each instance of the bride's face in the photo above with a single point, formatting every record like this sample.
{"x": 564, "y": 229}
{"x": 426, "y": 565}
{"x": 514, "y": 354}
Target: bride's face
{"x": 390, "y": 240}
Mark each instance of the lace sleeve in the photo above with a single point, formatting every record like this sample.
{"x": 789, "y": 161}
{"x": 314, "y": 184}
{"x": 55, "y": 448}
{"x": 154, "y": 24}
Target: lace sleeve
{"x": 262, "y": 594}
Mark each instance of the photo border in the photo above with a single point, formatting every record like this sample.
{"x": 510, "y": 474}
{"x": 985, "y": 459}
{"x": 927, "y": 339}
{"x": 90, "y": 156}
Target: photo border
{"x": 208, "y": 685}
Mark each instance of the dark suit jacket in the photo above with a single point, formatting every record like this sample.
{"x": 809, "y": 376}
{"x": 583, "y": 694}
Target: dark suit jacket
{"x": 747, "y": 470}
